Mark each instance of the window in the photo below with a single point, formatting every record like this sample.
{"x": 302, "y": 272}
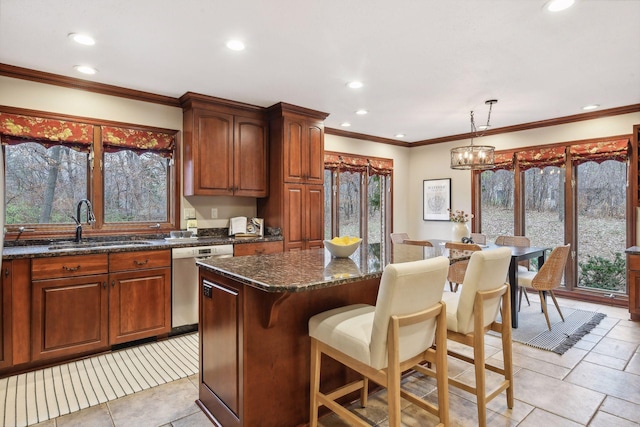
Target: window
{"x": 52, "y": 164}
{"x": 570, "y": 193}
{"x": 358, "y": 199}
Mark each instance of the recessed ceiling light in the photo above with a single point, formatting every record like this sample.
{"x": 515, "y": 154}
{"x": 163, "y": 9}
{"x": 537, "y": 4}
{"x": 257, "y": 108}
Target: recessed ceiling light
{"x": 361, "y": 112}
{"x": 590, "y": 107}
{"x": 558, "y": 5}
{"x": 85, "y": 69}
{"x": 235, "y": 45}
{"x": 345, "y": 124}
{"x": 400, "y": 135}
{"x": 82, "y": 39}
{"x": 355, "y": 84}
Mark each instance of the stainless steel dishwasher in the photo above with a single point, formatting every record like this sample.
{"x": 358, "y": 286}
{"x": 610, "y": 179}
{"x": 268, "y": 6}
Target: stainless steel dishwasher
{"x": 184, "y": 282}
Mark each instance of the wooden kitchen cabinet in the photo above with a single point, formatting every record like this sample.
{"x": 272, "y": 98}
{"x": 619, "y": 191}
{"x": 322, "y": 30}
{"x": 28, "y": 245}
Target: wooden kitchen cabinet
{"x": 633, "y": 283}
{"x": 225, "y": 148}
{"x": 139, "y": 295}
{"x": 304, "y": 226}
{"x": 257, "y": 248}
{"x": 296, "y": 185}
{"x": 69, "y": 305}
{"x": 5, "y": 315}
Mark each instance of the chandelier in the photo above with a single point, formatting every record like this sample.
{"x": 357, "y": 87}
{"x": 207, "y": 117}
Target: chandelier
{"x": 475, "y": 157}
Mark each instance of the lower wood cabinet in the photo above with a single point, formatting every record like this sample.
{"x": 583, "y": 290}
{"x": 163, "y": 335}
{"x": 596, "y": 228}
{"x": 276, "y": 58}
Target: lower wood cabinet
{"x": 5, "y": 315}
{"x": 257, "y": 248}
{"x": 70, "y": 316}
{"x": 633, "y": 283}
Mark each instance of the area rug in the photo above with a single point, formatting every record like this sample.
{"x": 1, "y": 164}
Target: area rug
{"x": 533, "y": 331}
{"x": 48, "y": 393}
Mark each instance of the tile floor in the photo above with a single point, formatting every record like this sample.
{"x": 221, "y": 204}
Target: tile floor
{"x": 596, "y": 383}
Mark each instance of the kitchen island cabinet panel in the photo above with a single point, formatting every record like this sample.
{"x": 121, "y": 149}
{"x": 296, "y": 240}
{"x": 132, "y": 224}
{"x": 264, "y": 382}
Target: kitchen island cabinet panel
{"x": 270, "y": 335}
{"x": 70, "y": 316}
{"x": 6, "y": 337}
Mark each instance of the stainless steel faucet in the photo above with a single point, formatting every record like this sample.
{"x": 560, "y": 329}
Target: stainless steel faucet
{"x": 91, "y": 219}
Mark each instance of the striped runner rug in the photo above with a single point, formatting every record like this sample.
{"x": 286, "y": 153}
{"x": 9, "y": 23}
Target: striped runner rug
{"x": 38, "y": 396}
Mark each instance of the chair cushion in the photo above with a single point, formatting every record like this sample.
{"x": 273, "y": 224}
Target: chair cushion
{"x": 525, "y": 278}
{"x": 451, "y": 300}
{"x": 347, "y": 329}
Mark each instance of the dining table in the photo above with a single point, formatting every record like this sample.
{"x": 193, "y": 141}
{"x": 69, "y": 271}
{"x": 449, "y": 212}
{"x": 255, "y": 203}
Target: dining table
{"x": 435, "y": 247}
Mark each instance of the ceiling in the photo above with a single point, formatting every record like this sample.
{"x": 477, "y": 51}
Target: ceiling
{"x": 424, "y": 63}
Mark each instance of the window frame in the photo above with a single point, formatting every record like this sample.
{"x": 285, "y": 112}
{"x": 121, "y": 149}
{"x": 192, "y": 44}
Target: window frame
{"x": 95, "y": 187}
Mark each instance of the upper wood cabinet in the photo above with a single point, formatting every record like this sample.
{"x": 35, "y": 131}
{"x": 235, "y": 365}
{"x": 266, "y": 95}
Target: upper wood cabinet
{"x": 303, "y": 161}
{"x": 225, "y": 147}
{"x": 296, "y": 183}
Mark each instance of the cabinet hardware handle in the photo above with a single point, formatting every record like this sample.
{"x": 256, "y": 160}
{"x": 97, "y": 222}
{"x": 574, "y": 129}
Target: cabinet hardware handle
{"x": 157, "y": 225}
{"x": 104, "y": 285}
{"x": 113, "y": 283}
{"x": 136, "y": 262}
{"x": 64, "y": 267}
{"x": 259, "y": 251}
{"x": 6, "y": 272}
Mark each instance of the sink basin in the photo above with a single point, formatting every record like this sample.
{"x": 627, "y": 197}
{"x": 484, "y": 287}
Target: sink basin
{"x": 95, "y": 245}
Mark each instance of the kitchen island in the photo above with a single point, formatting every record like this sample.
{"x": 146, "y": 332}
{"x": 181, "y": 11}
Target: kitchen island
{"x": 254, "y": 343}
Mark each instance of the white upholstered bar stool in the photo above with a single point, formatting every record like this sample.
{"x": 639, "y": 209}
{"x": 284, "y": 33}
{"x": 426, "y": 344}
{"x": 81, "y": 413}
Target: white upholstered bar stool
{"x": 382, "y": 342}
{"x": 472, "y": 312}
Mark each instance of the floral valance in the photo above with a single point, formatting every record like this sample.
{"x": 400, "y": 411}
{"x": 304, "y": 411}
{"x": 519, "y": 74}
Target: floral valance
{"x": 139, "y": 141}
{"x": 503, "y": 161}
{"x": 358, "y": 164}
{"x": 541, "y": 157}
{"x": 600, "y": 151}
{"x": 17, "y": 129}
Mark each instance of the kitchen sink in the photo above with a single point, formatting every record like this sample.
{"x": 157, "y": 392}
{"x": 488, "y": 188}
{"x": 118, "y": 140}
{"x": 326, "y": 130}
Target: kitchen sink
{"x": 97, "y": 245}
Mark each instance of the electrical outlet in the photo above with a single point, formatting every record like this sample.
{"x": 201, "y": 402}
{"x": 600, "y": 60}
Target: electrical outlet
{"x": 214, "y": 213}
{"x": 189, "y": 213}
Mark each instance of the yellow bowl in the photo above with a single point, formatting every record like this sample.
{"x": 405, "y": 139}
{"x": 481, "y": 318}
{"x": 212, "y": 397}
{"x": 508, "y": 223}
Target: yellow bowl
{"x": 341, "y": 251}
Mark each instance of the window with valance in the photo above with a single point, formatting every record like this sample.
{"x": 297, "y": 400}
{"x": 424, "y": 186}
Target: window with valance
{"x": 50, "y": 168}
{"x": 354, "y": 163}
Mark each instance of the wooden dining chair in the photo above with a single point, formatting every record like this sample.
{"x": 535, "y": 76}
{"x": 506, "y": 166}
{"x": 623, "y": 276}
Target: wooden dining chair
{"x": 381, "y": 342}
{"x": 458, "y": 269}
{"x": 479, "y": 239}
{"x": 523, "y": 266}
{"x": 472, "y": 313}
{"x": 398, "y": 238}
{"x": 548, "y": 278}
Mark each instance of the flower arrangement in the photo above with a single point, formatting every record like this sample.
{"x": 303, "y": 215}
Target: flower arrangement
{"x": 459, "y": 216}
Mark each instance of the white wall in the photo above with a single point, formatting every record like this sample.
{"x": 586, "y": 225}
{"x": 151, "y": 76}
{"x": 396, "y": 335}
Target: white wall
{"x": 432, "y": 162}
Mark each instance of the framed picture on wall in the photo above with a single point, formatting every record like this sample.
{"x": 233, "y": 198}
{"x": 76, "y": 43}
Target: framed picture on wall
{"x": 436, "y": 199}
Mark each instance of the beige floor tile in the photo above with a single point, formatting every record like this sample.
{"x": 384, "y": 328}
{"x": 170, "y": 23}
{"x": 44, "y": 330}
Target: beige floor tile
{"x": 621, "y": 408}
{"x": 604, "y": 360}
{"x": 95, "y": 416}
{"x": 199, "y": 419}
{"x": 602, "y": 419}
{"x": 534, "y": 364}
{"x": 616, "y": 348}
{"x": 558, "y": 397}
{"x": 570, "y": 359}
{"x": 538, "y": 418}
{"x": 155, "y": 406}
{"x": 606, "y": 380}
{"x": 634, "y": 364}
{"x": 625, "y": 332}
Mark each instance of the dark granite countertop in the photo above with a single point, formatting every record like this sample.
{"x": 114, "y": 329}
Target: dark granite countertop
{"x": 307, "y": 270}
{"x": 45, "y": 250}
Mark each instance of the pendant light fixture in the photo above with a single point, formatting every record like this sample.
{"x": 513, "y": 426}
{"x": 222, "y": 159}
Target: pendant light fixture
{"x": 475, "y": 157}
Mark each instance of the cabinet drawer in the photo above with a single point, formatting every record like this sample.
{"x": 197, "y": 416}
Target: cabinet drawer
{"x": 260, "y": 248}
{"x": 123, "y": 261}
{"x": 68, "y": 266}
{"x": 634, "y": 262}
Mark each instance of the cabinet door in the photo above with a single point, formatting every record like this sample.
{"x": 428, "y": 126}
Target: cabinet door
{"x": 70, "y": 316}
{"x": 314, "y": 216}
{"x": 314, "y": 154}
{"x": 139, "y": 304}
{"x": 221, "y": 350}
{"x": 294, "y": 151}
{"x": 5, "y": 315}
{"x": 250, "y": 157}
{"x": 262, "y": 248}
{"x": 633, "y": 284}
{"x": 294, "y": 217}
{"x": 213, "y": 154}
